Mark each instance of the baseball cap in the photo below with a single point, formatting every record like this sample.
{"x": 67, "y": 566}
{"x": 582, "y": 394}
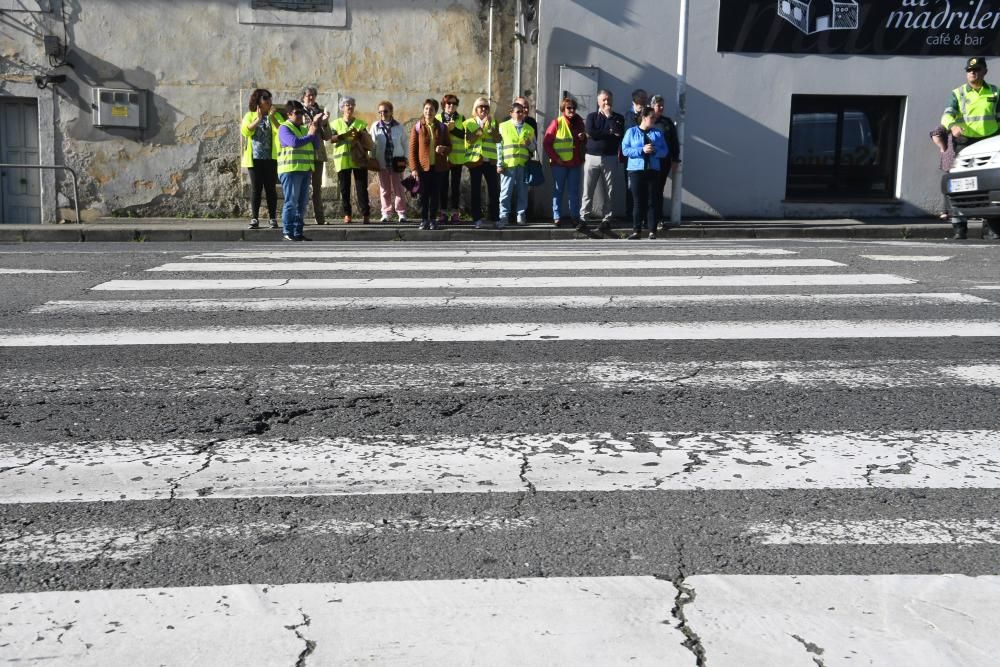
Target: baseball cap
{"x": 975, "y": 62}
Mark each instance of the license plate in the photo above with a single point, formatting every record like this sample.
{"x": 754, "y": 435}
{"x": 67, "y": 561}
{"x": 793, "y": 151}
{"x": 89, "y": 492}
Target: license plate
{"x": 963, "y": 184}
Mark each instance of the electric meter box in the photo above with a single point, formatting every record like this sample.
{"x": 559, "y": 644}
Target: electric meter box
{"x": 119, "y": 107}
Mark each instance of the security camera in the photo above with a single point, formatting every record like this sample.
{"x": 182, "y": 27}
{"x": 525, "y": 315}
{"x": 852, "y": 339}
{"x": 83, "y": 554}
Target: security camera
{"x": 44, "y": 81}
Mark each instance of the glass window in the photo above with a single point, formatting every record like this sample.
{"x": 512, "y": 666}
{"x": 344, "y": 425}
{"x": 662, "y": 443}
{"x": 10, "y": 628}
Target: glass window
{"x": 843, "y": 147}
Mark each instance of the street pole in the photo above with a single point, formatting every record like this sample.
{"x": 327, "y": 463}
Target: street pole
{"x": 677, "y": 179}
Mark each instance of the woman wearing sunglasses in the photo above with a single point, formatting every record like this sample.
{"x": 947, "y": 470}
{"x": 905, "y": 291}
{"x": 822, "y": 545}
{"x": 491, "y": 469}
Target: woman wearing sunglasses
{"x": 260, "y": 154}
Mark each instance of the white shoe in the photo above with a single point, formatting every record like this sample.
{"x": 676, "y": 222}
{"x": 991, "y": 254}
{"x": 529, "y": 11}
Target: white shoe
{"x": 402, "y": 218}
{"x": 385, "y": 218}
{"x": 478, "y": 224}
{"x": 521, "y": 220}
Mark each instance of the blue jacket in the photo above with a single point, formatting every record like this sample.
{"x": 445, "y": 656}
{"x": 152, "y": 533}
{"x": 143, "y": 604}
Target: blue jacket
{"x": 632, "y": 144}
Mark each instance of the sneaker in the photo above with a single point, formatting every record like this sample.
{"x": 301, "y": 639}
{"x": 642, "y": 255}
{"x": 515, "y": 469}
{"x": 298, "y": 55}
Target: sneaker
{"x": 633, "y": 236}
{"x": 321, "y": 222}
{"x": 273, "y": 224}
{"x": 254, "y": 224}
{"x": 302, "y": 238}
{"x": 557, "y": 222}
{"x": 402, "y": 218}
{"x": 652, "y": 236}
{"x": 499, "y": 225}
{"x": 286, "y": 237}
{"x": 478, "y": 224}
{"x": 385, "y": 219}
{"x": 521, "y": 220}
{"x": 424, "y": 225}
{"x": 434, "y": 225}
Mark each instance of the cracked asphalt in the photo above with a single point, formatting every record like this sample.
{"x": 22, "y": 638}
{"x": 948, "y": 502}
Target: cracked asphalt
{"x": 209, "y": 395}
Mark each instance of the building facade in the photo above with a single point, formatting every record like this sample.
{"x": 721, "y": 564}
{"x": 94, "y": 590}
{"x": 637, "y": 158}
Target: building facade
{"x": 794, "y": 108}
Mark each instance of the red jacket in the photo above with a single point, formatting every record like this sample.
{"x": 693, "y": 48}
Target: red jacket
{"x": 577, "y": 127}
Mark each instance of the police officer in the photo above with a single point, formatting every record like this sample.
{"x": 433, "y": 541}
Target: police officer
{"x": 972, "y": 115}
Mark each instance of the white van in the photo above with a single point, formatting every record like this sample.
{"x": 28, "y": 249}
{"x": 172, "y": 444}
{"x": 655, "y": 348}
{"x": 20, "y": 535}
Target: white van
{"x": 973, "y": 183}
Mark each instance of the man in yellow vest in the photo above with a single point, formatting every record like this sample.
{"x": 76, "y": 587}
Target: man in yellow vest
{"x": 296, "y": 159}
{"x": 971, "y": 115}
{"x": 517, "y": 143}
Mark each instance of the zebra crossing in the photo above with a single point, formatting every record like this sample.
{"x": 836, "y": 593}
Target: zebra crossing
{"x": 612, "y": 471}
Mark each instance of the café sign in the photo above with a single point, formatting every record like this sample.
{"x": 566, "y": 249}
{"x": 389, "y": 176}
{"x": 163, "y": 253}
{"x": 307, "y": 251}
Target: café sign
{"x": 862, "y": 27}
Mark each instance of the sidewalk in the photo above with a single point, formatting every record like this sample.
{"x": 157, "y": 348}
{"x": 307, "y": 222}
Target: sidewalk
{"x": 232, "y": 230}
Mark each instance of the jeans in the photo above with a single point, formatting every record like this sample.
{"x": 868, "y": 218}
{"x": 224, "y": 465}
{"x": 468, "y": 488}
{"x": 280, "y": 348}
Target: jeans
{"x": 512, "y": 184}
{"x": 566, "y": 180}
{"x": 295, "y": 186}
{"x": 263, "y": 176}
{"x": 487, "y": 171}
{"x": 642, "y": 183}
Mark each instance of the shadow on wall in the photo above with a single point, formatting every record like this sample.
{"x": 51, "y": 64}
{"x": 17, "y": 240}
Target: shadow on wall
{"x": 720, "y": 140}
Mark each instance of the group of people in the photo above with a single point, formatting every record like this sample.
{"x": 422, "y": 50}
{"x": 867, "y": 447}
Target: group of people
{"x": 639, "y": 148}
{"x": 288, "y": 145}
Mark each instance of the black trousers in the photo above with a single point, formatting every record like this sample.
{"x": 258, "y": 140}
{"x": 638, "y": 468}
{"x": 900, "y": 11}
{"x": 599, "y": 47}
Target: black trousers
{"x": 452, "y": 178}
{"x": 487, "y": 171}
{"x": 263, "y": 176}
{"x": 360, "y": 190}
{"x": 430, "y": 193}
{"x": 641, "y": 185}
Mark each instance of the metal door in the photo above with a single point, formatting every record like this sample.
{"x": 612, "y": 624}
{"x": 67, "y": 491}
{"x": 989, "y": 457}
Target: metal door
{"x": 580, "y": 83}
{"x": 20, "y": 189}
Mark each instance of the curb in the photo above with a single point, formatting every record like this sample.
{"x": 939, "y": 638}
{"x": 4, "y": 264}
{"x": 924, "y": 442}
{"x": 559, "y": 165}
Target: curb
{"x": 118, "y": 233}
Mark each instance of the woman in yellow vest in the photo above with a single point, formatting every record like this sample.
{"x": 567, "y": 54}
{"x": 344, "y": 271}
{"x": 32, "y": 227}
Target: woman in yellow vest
{"x": 260, "y": 153}
{"x": 565, "y": 142}
{"x": 296, "y": 160}
{"x": 455, "y": 122}
{"x": 347, "y": 130}
{"x": 482, "y": 135}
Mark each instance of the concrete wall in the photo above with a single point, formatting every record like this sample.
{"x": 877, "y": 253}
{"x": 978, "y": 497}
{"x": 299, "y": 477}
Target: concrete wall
{"x": 738, "y": 105}
{"x": 198, "y": 63}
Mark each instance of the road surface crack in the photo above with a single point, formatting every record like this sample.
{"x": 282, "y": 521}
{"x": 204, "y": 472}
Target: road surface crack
{"x": 811, "y": 648}
{"x": 208, "y": 451}
{"x": 692, "y": 642}
{"x": 310, "y": 644}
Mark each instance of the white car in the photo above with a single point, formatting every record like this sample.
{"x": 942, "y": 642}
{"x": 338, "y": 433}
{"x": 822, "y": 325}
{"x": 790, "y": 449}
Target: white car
{"x": 973, "y": 183}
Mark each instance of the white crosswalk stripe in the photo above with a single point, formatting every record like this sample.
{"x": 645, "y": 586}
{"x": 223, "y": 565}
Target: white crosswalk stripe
{"x": 475, "y": 485}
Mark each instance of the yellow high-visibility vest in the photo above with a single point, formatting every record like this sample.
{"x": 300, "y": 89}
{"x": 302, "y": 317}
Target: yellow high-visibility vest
{"x": 976, "y": 111}
{"x": 296, "y": 159}
{"x": 563, "y": 144}
{"x": 459, "y": 148}
{"x": 515, "y": 153}
{"x": 342, "y": 149}
{"x": 483, "y": 147}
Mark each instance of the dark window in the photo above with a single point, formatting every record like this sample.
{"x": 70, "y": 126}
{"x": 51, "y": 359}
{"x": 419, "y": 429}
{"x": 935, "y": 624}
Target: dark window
{"x": 294, "y": 5}
{"x": 843, "y": 147}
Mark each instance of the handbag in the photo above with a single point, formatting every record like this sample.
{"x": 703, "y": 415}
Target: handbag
{"x": 533, "y": 174}
{"x": 412, "y": 185}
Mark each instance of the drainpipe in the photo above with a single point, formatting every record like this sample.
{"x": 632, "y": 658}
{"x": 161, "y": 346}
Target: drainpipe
{"x": 518, "y": 46}
{"x": 677, "y": 180}
{"x": 489, "y": 66}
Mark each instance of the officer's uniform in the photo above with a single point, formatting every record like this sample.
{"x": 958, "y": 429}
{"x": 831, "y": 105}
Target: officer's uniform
{"x": 977, "y": 112}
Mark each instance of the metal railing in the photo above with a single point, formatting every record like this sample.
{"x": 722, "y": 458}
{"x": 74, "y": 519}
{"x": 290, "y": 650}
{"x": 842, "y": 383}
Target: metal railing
{"x": 76, "y": 197}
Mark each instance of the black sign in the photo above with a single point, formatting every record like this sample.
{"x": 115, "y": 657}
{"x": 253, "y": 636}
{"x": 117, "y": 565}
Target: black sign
{"x": 863, "y": 27}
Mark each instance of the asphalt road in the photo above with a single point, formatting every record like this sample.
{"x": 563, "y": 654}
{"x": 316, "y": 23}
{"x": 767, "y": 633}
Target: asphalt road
{"x": 472, "y": 449}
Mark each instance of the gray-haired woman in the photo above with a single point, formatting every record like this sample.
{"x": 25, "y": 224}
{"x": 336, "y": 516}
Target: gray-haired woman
{"x": 312, "y": 110}
{"x": 348, "y": 131}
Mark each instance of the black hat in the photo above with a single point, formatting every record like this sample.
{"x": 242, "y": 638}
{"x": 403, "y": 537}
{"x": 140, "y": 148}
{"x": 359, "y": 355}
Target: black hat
{"x": 975, "y": 62}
